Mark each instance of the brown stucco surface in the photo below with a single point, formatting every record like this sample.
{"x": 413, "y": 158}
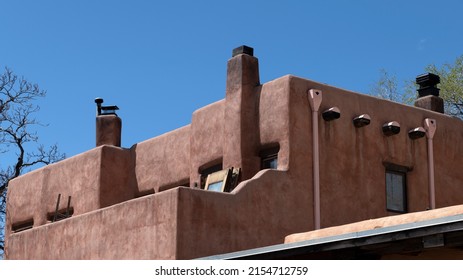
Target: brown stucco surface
{"x": 142, "y": 228}
{"x": 377, "y": 223}
{"x": 160, "y": 163}
{"x": 108, "y": 130}
{"x": 127, "y": 203}
{"x": 95, "y": 179}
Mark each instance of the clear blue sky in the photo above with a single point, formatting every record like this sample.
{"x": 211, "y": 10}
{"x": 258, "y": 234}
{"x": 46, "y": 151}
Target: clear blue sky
{"x": 161, "y": 60}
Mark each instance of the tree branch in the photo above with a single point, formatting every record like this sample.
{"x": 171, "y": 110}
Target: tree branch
{"x": 17, "y": 134}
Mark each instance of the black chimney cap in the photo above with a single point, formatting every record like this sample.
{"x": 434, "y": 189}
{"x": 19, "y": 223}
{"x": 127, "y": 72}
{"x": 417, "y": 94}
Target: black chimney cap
{"x": 98, "y": 100}
{"x": 428, "y": 84}
{"x": 243, "y": 50}
{"x": 427, "y": 80}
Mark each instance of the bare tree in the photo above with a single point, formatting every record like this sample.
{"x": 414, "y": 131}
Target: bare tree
{"x": 387, "y": 87}
{"x": 18, "y": 137}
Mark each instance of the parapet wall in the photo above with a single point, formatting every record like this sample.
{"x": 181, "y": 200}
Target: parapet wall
{"x": 162, "y": 162}
{"x": 145, "y": 202}
{"x": 95, "y": 179}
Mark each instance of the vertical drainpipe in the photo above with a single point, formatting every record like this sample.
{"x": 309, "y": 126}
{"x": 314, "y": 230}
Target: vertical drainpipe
{"x": 430, "y": 126}
{"x": 315, "y": 99}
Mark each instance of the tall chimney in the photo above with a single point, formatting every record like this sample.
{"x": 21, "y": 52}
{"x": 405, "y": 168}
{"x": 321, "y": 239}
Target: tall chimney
{"x": 108, "y": 125}
{"x": 429, "y": 93}
{"x": 241, "y": 121}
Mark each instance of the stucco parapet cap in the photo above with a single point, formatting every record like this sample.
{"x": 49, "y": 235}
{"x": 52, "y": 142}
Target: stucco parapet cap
{"x": 205, "y": 108}
{"x": 379, "y": 223}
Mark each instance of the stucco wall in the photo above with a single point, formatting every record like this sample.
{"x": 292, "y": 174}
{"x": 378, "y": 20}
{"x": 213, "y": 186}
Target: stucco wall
{"x": 259, "y": 212}
{"x": 95, "y": 179}
{"x": 189, "y": 222}
{"x": 143, "y": 228}
{"x": 163, "y": 162}
{"x": 206, "y": 139}
{"x": 352, "y": 172}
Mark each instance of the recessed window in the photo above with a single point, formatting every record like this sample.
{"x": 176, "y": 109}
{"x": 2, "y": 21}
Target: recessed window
{"x": 396, "y": 191}
{"x": 207, "y": 171}
{"x": 269, "y": 158}
{"x": 223, "y": 181}
{"x": 22, "y": 226}
{"x": 217, "y": 181}
{"x": 270, "y": 162}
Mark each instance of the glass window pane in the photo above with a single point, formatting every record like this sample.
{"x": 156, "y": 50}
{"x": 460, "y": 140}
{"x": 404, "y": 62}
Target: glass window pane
{"x": 270, "y": 162}
{"x": 215, "y": 187}
{"x": 395, "y": 191}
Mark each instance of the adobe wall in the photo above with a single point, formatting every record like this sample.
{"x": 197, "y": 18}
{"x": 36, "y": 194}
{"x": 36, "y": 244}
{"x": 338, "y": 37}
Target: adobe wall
{"x": 206, "y": 141}
{"x": 188, "y": 222}
{"x": 98, "y": 178}
{"x": 142, "y": 228}
{"x": 352, "y": 172}
{"x": 162, "y": 162}
{"x": 271, "y": 196}
{"x": 262, "y": 210}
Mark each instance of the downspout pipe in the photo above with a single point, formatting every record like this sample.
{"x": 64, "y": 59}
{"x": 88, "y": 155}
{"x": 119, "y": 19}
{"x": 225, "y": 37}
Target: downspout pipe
{"x": 315, "y": 99}
{"x": 430, "y": 126}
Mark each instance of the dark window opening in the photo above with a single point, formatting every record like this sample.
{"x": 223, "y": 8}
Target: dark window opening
{"x": 22, "y": 226}
{"x": 269, "y": 158}
{"x": 396, "y": 191}
{"x": 207, "y": 171}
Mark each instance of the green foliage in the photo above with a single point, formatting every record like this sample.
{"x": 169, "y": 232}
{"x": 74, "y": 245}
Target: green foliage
{"x": 451, "y": 85}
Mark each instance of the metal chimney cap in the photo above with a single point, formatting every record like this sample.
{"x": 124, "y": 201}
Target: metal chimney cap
{"x": 427, "y": 80}
{"x": 98, "y": 100}
{"x": 243, "y": 50}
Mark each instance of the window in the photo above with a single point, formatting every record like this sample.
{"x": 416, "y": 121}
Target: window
{"x": 207, "y": 171}
{"x": 396, "y": 198}
{"x": 22, "y": 226}
{"x": 269, "y": 158}
{"x": 224, "y": 180}
{"x": 217, "y": 181}
{"x": 216, "y": 187}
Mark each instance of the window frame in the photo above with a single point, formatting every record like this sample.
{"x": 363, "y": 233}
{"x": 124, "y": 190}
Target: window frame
{"x": 390, "y": 204}
{"x": 219, "y": 176}
{"x": 205, "y": 172}
{"x": 267, "y": 156}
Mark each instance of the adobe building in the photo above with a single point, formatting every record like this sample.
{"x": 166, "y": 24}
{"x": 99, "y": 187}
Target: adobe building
{"x": 290, "y": 164}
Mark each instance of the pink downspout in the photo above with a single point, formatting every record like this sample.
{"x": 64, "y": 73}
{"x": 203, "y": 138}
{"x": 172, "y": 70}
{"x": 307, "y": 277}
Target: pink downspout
{"x": 315, "y": 99}
{"x": 430, "y": 126}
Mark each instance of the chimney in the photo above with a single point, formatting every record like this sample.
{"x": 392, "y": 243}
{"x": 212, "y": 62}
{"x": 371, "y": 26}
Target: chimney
{"x": 241, "y": 122}
{"x": 108, "y": 125}
{"x": 428, "y": 93}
